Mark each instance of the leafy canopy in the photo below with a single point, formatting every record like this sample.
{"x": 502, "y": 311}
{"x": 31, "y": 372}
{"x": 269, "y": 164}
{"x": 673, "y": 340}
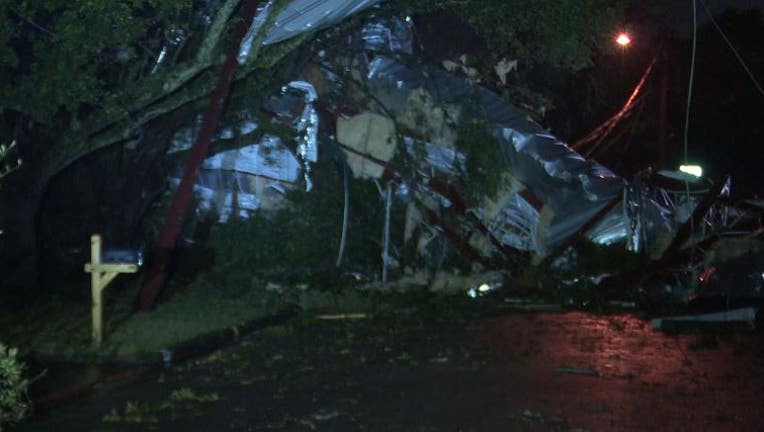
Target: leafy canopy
{"x": 61, "y": 55}
{"x": 563, "y": 33}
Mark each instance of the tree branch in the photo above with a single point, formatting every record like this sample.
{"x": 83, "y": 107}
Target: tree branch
{"x": 75, "y": 147}
{"x": 143, "y": 93}
{"x": 34, "y": 24}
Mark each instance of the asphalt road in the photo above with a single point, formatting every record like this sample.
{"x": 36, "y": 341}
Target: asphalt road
{"x": 518, "y": 371}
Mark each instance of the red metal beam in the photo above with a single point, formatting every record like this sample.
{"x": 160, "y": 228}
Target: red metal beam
{"x": 155, "y": 278}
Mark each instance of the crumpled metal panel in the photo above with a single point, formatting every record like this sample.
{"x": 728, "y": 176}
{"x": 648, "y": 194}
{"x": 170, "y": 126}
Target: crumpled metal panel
{"x": 388, "y": 36}
{"x": 172, "y": 41}
{"x": 262, "y": 14}
{"x": 214, "y": 191}
{"x": 443, "y": 159}
{"x": 516, "y": 224}
{"x": 233, "y": 173}
{"x": 615, "y": 227}
{"x": 306, "y": 126}
{"x": 308, "y": 15}
{"x": 647, "y": 216}
{"x": 183, "y": 139}
{"x": 269, "y": 158}
{"x": 576, "y": 189}
{"x": 298, "y": 17}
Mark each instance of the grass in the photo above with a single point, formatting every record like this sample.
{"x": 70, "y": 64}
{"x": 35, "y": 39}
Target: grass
{"x": 60, "y": 328}
{"x": 182, "y": 400}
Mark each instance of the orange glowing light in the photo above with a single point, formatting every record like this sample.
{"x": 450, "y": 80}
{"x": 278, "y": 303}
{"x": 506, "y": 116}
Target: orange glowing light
{"x": 623, "y": 39}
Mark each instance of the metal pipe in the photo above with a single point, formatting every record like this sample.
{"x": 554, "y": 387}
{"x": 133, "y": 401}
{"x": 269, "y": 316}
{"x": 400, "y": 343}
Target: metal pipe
{"x": 345, "y": 215}
{"x": 385, "y": 253}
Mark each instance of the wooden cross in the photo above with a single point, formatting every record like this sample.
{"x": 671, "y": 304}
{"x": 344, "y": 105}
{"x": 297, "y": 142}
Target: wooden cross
{"x": 101, "y": 274}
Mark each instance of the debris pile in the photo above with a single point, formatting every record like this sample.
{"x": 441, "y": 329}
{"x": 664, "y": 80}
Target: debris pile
{"x": 454, "y": 162}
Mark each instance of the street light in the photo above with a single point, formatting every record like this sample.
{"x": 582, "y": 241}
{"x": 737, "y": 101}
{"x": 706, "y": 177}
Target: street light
{"x": 623, "y": 39}
{"x": 694, "y": 170}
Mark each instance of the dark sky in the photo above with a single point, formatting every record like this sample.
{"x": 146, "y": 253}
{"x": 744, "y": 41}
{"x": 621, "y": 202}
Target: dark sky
{"x": 726, "y": 120}
{"x": 678, "y": 13}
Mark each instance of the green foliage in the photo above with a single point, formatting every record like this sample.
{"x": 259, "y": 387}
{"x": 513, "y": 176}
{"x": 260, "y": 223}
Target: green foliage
{"x": 300, "y": 242}
{"x": 13, "y": 387}
{"x": 484, "y": 163}
{"x": 181, "y": 401}
{"x": 134, "y": 412}
{"x": 60, "y": 55}
{"x": 186, "y": 394}
{"x": 561, "y": 33}
{"x": 8, "y": 31}
{"x": 63, "y": 55}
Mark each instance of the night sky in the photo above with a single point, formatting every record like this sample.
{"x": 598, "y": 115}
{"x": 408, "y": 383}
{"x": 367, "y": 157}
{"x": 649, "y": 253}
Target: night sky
{"x": 725, "y": 124}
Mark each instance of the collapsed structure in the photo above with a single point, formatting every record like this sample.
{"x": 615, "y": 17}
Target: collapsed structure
{"x": 401, "y": 123}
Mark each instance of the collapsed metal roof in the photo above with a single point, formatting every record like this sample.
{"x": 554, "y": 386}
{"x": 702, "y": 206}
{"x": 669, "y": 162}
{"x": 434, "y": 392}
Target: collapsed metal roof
{"x": 298, "y": 17}
{"x": 557, "y": 193}
{"x": 573, "y": 187}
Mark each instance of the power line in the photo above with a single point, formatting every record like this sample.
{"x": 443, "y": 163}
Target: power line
{"x": 692, "y": 77}
{"x": 687, "y": 120}
{"x": 598, "y": 135}
{"x": 732, "y": 47}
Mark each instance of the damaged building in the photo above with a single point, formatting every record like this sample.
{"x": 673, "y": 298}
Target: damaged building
{"x": 453, "y": 163}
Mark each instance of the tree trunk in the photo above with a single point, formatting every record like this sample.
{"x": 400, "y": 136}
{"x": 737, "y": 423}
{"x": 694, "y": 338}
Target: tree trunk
{"x": 18, "y": 242}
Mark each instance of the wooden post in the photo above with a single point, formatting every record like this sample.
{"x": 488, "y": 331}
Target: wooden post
{"x": 100, "y": 276}
{"x": 96, "y": 291}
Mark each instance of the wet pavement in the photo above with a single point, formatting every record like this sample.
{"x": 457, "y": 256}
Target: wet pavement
{"x": 518, "y": 371}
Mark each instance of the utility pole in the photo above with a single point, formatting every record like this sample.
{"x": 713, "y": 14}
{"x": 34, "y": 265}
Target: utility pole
{"x": 663, "y": 88}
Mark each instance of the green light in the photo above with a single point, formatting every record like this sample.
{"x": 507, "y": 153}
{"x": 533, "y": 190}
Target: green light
{"x": 695, "y": 170}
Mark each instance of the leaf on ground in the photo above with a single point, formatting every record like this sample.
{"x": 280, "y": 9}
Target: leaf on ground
{"x": 323, "y": 415}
